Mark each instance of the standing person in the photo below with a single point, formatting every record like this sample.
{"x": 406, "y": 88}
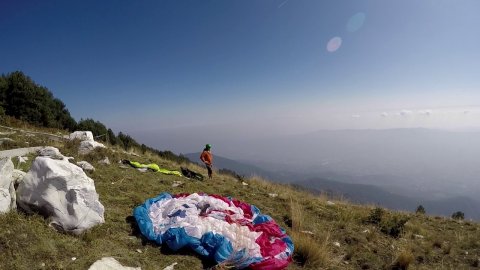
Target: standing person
{"x": 207, "y": 158}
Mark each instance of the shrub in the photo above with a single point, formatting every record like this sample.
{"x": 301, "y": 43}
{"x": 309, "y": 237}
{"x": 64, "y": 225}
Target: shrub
{"x": 403, "y": 260}
{"x": 310, "y": 253}
{"x": 375, "y": 216}
{"x": 394, "y": 226}
{"x": 420, "y": 210}
{"x": 458, "y": 215}
{"x": 298, "y": 216}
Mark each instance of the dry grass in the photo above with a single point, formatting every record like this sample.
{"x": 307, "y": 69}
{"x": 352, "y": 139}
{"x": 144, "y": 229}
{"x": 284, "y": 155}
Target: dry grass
{"x": 28, "y": 242}
{"x": 310, "y": 252}
{"x": 403, "y": 260}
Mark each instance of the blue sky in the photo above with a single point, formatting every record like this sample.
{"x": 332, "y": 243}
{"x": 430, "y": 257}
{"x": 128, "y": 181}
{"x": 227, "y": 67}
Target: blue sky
{"x": 145, "y": 65}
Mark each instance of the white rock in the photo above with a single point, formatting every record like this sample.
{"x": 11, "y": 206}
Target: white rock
{"x": 418, "y": 236}
{"x": 86, "y": 166}
{"x": 273, "y": 195}
{"x": 109, "y": 263}
{"x": 21, "y": 160}
{"x": 50, "y": 151}
{"x": 81, "y": 135}
{"x": 307, "y": 232}
{"x": 6, "y": 172}
{"x": 7, "y": 194}
{"x": 19, "y": 152}
{"x": 245, "y": 184}
{"x": 88, "y": 146}
{"x": 337, "y": 244}
{"x": 74, "y": 258}
{"x": 105, "y": 161}
{"x": 330, "y": 203}
{"x": 171, "y": 266}
{"x": 366, "y": 231}
{"x": 62, "y": 192}
{"x": 17, "y": 176}
{"x": 177, "y": 183}
{"x": 5, "y": 201}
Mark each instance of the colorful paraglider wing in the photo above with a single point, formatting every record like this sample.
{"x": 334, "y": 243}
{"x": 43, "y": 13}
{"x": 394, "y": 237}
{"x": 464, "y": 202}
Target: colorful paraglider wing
{"x": 221, "y": 228}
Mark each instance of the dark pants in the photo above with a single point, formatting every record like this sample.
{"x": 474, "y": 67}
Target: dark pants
{"x": 209, "y": 169}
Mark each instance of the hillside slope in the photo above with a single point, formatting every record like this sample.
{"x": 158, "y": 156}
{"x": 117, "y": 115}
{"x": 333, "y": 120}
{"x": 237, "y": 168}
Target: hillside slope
{"x": 339, "y": 235}
{"x": 371, "y": 194}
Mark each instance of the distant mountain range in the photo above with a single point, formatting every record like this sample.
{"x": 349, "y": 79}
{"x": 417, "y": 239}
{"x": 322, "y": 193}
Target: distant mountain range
{"x": 357, "y": 193}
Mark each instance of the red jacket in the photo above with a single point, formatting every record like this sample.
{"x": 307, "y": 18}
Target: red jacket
{"x": 206, "y": 157}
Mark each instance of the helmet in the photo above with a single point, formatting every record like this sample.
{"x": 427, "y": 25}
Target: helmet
{"x": 208, "y": 146}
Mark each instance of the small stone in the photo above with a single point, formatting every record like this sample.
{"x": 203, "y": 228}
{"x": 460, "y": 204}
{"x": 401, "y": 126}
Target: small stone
{"x": 86, "y": 166}
{"x": 105, "y": 161}
{"x": 330, "y": 203}
{"x": 273, "y": 195}
{"x": 139, "y": 251}
{"x": 337, "y": 244}
{"x": 366, "y": 231}
{"x": 170, "y": 267}
{"x": 177, "y": 183}
{"x": 245, "y": 184}
{"x": 418, "y": 236}
{"x": 307, "y": 232}
{"x": 74, "y": 258}
{"x": 43, "y": 264}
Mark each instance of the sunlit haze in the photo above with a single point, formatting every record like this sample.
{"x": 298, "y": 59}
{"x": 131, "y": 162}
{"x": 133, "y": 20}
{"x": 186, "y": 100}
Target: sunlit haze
{"x": 274, "y": 65}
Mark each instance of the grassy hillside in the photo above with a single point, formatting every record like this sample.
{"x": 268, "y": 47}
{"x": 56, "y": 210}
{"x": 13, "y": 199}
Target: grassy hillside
{"x": 371, "y": 194}
{"x": 337, "y": 235}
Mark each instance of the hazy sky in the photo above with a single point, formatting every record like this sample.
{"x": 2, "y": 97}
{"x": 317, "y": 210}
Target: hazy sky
{"x": 281, "y": 65}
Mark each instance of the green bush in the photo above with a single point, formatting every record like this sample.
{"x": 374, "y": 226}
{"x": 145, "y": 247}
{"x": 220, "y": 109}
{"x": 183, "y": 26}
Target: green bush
{"x": 420, "y": 210}
{"x": 375, "y": 216}
{"x": 458, "y": 215}
{"x": 394, "y": 225}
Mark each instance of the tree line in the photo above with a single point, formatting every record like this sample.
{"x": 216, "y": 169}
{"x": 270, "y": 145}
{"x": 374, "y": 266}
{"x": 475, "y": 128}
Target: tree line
{"x": 22, "y": 98}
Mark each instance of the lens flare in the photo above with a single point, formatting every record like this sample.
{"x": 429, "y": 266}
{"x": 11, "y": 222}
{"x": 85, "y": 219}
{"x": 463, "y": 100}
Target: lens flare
{"x": 334, "y": 44}
{"x": 356, "y": 22}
